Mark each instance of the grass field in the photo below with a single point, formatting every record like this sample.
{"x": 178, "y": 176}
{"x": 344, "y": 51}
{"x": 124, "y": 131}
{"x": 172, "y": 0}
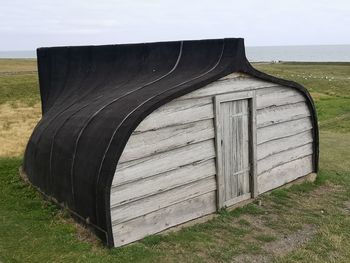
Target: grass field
{"x": 306, "y": 223}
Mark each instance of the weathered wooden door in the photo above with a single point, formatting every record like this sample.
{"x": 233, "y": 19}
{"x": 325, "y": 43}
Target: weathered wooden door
{"x": 234, "y": 135}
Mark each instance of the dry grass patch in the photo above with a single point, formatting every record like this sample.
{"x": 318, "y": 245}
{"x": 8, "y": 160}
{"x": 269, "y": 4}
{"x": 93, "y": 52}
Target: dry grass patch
{"x": 295, "y": 222}
{"x": 17, "y": 121}
{"x": 17, "y": 65}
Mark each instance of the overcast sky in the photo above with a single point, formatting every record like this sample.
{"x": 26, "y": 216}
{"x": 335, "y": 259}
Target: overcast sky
{"x": 28, "y": 24}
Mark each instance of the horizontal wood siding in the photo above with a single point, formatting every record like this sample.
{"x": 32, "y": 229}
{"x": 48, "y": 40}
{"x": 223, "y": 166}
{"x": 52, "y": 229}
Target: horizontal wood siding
{"x": 277, "y": 96}
{"x": 161, "y": 140}
{"x": 164, "y": 218}
{"x": 162, "y": 182}
{"x": 155, "y": 202}
{"x": 284, "y": 129}
{"x": 283, "y": 157}
{"x": 166, "y": 174}
{"x": 164, "y": 162}
{"x": 177, "y": 113}
{"x": 284, "y": 173}
{"x": 277, "y": 114}
{"x": 228, "y": 86}
{"x": 274, "y": 146}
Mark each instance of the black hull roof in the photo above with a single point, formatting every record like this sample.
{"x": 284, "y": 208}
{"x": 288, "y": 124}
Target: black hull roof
{"x": 93, "y": 97}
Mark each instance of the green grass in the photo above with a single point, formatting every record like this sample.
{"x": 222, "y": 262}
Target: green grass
{"x": 324, "y": 78}
{"x": 19, "y": 81}
{"x": 21, "y": 87}
{"x": 33, "y": 230}
{"x": 329, "y": 84}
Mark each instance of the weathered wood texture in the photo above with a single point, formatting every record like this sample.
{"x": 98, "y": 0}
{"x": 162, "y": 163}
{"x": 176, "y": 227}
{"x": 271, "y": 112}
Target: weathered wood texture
{"x": 235, "y": 136}
{"x": 164, "y": 218}
{"x": 284, "y": 173}
{"x": 164, "y": 162}
{"x": 151, "y": 142}
{"x": 233, "y": 125}
{"x": 155, "y": 202}
{"x": 162, "y": 182}
{"x": 166, "y": 174}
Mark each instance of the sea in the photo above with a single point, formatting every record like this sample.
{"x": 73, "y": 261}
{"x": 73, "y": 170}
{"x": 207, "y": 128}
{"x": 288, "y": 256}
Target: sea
{"x": 321, "y": 53}
{"x": 329, "y": 53}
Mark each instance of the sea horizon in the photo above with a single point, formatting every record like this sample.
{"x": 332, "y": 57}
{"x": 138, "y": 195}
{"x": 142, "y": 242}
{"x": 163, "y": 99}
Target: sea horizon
{"x": 285, "y": 53}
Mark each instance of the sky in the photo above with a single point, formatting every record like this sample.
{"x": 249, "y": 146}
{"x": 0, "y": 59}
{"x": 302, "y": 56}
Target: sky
{"x": 27, "y": 25}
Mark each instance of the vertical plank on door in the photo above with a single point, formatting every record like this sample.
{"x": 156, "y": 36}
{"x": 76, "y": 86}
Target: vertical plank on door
{"x": 235, "y": 140}
{"x": 235, "y": 147}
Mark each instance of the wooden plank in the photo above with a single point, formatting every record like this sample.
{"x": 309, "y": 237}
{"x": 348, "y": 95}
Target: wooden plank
{"x": 253, "y": 149}
{"x": 177, "y": 112}
{"x": 277, "y": 96}
{"x": 237, "y": 199}
{"x": 284, "y": 157}
{"x": 196, "y": 105}
{"x": 228, "y": 86}
{"x": 164, "y": 218}
{"x": 285, "y": 173}
{"x": 232, "y": 124}
{"x": 244, "y": 178}
{"x": 162, "y": 182}
{"x": 228, "y": 149}
{"x": 235, "y": 146}
{"x": 283, "y": 129}
{"x": 235, "y": 96}
{"x": 220, "y": 193}
{"x": 273, "y": 115}
{"x": 163, "y": 162}
{"x": 152, "y": 142}
{"x": 275, "y": 146}
{"x": 153, "y": 203}
{"x": 235, "y": 75}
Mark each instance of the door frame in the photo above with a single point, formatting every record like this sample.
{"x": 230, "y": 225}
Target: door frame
{"x": 250, "y": 96}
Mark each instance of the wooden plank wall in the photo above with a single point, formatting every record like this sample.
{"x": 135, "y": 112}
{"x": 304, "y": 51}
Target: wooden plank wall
{"x": 166, "y": 174}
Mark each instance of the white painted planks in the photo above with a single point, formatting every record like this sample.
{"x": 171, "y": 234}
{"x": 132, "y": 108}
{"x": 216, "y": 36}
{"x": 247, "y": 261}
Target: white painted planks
{"x": 181, "y": 125}
{"x": 285, "y": 173}
{"x": 284, "y": 129}
{"x": 277, "y": 96}
{"x": 164, "y": 218}
{"x": 161, "y": 140}
{"x": 162, "y": 182}
{"x": 178, "y": 112}
{"x": 283, "y": 157}
{"x": 153, "y": 203}
{"x": 228, "y": 86}
{"x": 163, "y": 162}
{"x": 279, "y": 145}
{"x": 273, "y": 115}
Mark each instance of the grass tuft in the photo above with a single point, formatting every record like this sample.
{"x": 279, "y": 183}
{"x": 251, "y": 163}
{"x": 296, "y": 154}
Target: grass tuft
{"x": 304, "y": 187}
{"x": 265, "y": 238}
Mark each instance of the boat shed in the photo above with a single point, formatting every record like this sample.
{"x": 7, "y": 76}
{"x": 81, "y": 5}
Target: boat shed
{"x": 137, "y": 138}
